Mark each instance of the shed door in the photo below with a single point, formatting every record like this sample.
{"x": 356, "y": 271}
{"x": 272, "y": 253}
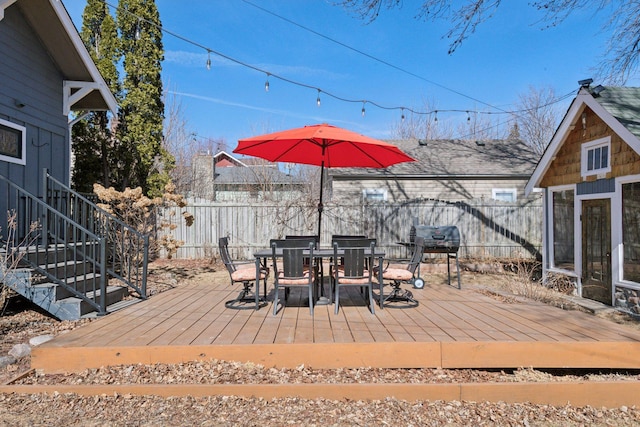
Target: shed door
{"x": 596, "y": 250}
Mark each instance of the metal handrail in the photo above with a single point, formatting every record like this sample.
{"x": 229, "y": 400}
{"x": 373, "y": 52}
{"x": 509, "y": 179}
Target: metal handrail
{"x": 127, "y": 248}
{"x": 62, "y": 250}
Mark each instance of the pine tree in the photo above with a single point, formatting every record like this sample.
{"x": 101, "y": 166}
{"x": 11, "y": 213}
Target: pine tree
{"x": 145, "y": 163}
{"x": 93, "y": 142}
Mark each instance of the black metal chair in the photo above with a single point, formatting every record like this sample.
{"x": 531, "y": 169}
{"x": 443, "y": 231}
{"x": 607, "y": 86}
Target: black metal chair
{"x": 399, "y": 272}
{"x": 243, "y": 272}
{"x": 356, "y": 268}
{"x": 346, "y": 241}
{"x": 304, "y": 241}
{"x": 294, "y": 271}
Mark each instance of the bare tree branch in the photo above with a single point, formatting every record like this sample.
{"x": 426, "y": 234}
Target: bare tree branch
{"x": 618, "y": 63}
{"x": 537, "y": 118}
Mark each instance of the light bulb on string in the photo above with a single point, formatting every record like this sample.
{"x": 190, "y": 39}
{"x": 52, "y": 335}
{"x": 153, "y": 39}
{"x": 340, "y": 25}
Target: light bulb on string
{"x": 208, "y": 59}
{"x": 137, "y": 35}
{"x": 468, "y": 118}
{"x": 402, "y": 116}
{"x": 318, "y": 99}
{"x": 435, "y": 116}
{"x": 363, "y": 112}
{"x": 266, "y": 84}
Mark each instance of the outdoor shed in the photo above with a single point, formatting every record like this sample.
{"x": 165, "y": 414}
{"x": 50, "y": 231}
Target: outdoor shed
{"x": 590, "y": 173}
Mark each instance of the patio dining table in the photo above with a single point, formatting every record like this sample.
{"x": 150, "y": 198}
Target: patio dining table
{"x": 262, "y": 255}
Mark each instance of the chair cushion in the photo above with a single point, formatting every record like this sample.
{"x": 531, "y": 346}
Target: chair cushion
{"x": 353, "y": 281}
{"x": 397, "y": 274}
{"x": 246, "y": 274}
{"x": 301, "y": 281}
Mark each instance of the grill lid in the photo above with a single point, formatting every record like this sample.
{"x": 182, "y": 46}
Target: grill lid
{"x": 437, "y": 237}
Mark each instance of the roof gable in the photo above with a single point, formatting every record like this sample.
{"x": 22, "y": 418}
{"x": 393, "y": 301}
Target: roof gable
{"x": 618, "y": 108}
{"x": 225, "y": 159}
{"x": 85, "y": 88}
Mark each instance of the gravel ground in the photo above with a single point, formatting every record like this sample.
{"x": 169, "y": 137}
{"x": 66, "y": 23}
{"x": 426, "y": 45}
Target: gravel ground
{"x": 22, "y": 322}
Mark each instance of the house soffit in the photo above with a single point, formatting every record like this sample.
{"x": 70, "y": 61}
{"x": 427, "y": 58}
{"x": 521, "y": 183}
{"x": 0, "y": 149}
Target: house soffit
{"x": 3, "y": 5}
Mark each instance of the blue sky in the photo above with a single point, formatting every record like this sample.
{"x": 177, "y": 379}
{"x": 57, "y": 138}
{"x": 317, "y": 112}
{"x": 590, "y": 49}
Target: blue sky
{"x": 487, "y": 73}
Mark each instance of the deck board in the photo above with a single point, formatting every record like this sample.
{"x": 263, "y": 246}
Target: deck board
{"x": 460, "y": 327}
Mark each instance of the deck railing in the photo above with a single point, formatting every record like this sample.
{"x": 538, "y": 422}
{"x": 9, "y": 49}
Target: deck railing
{"x": 127, "y": 249}
{"x": 57, "y": 247}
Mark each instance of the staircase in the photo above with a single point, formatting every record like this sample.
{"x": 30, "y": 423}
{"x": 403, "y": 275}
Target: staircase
{"x": 78, "y": 261}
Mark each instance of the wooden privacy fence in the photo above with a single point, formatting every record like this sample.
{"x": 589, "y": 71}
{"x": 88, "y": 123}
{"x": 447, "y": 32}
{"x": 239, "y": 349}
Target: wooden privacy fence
{"x": 488, "y": 229}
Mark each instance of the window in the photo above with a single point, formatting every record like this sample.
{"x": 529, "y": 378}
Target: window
{"x": 631, "y": 231}
{"x": 563, "y": 223}
{"x": 374, "y": 195}
{"x": 504, "y": 194}
{"x": 595, "y": 157}
{"x": 12, "y": 142}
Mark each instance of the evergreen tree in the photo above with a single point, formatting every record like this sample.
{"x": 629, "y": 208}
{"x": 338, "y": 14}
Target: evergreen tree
{"x": 146, "y": 163}
{"x": 93, "y": 141}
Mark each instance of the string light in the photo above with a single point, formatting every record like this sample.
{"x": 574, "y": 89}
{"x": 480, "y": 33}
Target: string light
{"x": 266, "y": 84}
{"x": 208, "y": 59}
{"x": 402, "y": 116}
{"x": 435, "y": 114}
{"x": 318, "y": 99}
{"x": 293, "y": 82}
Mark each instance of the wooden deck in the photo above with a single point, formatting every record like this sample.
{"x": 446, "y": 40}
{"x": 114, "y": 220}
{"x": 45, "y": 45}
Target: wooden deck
{"x": 450, "y": 328}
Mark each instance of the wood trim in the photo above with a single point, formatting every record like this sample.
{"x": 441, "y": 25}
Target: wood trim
{"x": 449, "y": 355}
{"x": 580, "y": 393}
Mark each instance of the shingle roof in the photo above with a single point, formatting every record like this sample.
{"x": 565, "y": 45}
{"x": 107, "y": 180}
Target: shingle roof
{"x": 623, "y": 103}
{"x": 456, "y": 158}
{"x": 254, "y": 175}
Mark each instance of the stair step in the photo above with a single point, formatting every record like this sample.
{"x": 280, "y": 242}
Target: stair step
{"x": 77, "y": 307}
{"x": 76, "y": 282}
{"x": 70, "y": 268}
{"x": 39, "y": 254}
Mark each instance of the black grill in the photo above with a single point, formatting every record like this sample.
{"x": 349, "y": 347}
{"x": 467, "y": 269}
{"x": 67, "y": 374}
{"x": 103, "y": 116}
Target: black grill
{"x": 441, "y": 240}
{"x": 437, "y": 239}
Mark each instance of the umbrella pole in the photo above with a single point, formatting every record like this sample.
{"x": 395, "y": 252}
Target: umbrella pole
{"x": 322, "y": 300}
{"x": 320, "y": 207}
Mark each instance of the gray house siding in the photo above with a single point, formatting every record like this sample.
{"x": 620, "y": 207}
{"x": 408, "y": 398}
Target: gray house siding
{"x": 445, "y": 169}
{"x": 28, "y": 74}
{"x": 435, "y": 189}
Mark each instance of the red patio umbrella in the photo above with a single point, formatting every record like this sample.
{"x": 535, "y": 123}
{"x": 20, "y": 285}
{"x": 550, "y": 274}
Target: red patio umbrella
{"x": 325, "y": 146}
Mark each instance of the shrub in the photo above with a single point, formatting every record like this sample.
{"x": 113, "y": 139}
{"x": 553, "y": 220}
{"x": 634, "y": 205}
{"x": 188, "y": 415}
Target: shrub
{"x": 140, "y": 212}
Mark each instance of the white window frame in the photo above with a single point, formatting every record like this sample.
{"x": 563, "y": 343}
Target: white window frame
{"x": 513, "y": 191}
{"x": 368, "y": 192}
{"x": 576, "y": 233}
{"x": 22, "y": 160}
{"x": 617, "y": 239}
{"x": 590, "y": 146}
